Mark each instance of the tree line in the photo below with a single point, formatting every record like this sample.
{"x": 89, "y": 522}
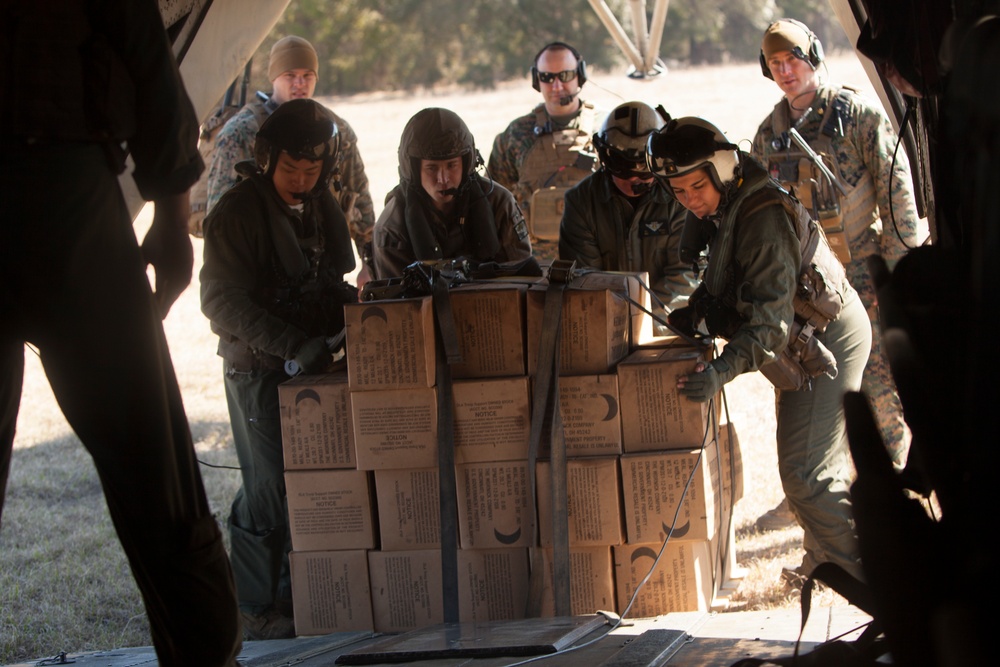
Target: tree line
{"x": 367, "y": 45}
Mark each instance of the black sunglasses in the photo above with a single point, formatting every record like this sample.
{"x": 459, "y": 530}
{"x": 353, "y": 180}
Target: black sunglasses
{"x": 565, "y": 76}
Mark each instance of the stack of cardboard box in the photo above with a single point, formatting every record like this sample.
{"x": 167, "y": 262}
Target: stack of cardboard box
{"x": 361, "y": 456}
{"x": 329, "y": 506}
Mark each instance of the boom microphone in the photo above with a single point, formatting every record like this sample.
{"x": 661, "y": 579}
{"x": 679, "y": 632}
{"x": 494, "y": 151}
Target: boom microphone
{"x": 641, "y": 187}
{"x": 566, "y": 99}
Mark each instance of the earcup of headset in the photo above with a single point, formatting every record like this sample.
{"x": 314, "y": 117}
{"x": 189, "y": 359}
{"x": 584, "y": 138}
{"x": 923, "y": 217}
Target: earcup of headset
{"x": 534, "y": 79}
{"x": 815, "y": 50}
{"x": 581, "y": 70}
{"x": 815, "y": 54}
{"x": 764, "y": 68}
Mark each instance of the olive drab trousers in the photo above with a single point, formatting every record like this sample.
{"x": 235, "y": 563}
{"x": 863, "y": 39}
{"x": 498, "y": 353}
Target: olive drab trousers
{"x": 258, "y": 522}
{"x": 814, "y": 460}
{"x": 73, "y": 283}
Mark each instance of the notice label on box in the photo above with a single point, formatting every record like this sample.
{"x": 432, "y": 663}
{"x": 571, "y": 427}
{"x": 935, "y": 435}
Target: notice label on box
{"x": 316, "y": 430}
{"x": 329, "y": 509}
{"x": 409, "y": 509}
{"x": 492, "y": 420}
{"x": 594, "y": 510}
{"x": 493, "y": 505}
{"x": 395, "y": 428}
{"x": 330, "y": 592}
{"x": 682, "y": 581}
{"x": 590, "y": 414}
{"x": 390, "y": 344}
{"x": 655, "y": 483}
{"x": 489, "y": 323}
{"x": 654, "y": 415}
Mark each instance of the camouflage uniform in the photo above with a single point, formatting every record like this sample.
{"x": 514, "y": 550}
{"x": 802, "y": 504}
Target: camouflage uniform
{"x": 235, "y": 144}
{"x": 862, "y": 154}
{"x": 531, "y": 137}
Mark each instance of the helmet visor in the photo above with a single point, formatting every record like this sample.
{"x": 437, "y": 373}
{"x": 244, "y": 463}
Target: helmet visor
{"x": 675, "y": 150}
{"x": 621, "y": 166}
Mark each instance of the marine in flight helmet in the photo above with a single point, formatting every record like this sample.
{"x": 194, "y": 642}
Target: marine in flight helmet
{"x": 688, "y": 144}
{"x": 621, "y": 140}
{"x": 435, "y": 134}
{"x": 303, "y": 129}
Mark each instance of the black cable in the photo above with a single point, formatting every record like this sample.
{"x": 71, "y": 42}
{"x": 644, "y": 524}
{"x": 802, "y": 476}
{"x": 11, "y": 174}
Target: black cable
{"x": 892, "y": 168}
{"x": 215, "y": 465}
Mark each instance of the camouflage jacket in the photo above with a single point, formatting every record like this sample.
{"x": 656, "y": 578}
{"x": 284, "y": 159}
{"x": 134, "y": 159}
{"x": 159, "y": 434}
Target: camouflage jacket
{"x": 862, "y": 146}
{"x": 234, "y": 144}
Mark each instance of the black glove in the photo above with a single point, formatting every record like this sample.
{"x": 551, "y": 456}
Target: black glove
{"x": 313, "y": 356}
{"x": 702, "y": 387}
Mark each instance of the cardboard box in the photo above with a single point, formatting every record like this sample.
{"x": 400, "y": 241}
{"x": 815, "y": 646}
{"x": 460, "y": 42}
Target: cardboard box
{"x": 728, "y": 573}
{"x": 406, "y": 588}
{"x": 682, "y": 580}
{"x": 330, "y": 592}
{"x": 640, "y": 306}
{"x": 492, "y": 419}
{"x": 316, "y": 428}
{"x": 594, "y": 502}
{"x": 330, "y": 509}
{"x": 591, "y": 416}
{"x": 395, "y": 428}
{"x": 493, "y": 505}
{"x": 390, "y": 344}
{"x": 592, "y": 582}
{"x": 632, "y": 285}
{"x": 654, "y": 415}
{"x": 594, "y": 333}
{"x": 653, "y": 486}
{"x": 489, "y": 322}
{"x": 492, "y": 584}
{"x": 409, "y": 510}
{"x": 731, "y": 459}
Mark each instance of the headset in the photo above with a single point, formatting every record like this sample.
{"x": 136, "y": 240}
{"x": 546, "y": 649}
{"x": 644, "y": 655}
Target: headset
{"x": 581, "y": 66}
{"x": 814, "y": 57}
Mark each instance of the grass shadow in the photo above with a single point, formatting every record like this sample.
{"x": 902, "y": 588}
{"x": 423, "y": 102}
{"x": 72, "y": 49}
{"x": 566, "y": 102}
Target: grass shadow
{"x": 65, "y": 584}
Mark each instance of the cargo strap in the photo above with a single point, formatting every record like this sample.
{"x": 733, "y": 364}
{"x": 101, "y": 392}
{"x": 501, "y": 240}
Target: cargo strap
{"x": 545, "y": 409}
{"x": 687, "y": 338}
{"x": 865, "y": 651}
{"x": 447, "y": 353}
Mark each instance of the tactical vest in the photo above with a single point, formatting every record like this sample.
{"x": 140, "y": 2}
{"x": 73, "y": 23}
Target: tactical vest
{"x": 556, "y": 161}
{"x": 844, "y": 218}
{"x": 818, "y": 299}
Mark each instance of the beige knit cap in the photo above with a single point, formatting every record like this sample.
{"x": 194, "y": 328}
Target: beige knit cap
{"x": 785, "y": 35}
{"x": 291, "y": 53}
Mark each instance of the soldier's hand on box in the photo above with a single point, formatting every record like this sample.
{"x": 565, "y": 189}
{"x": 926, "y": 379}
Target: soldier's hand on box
{"x": 700, "y": 386}
{"x": 313, "y": 356}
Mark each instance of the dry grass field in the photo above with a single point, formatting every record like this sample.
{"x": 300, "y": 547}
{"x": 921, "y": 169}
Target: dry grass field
{"x": 64, "y": 584}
